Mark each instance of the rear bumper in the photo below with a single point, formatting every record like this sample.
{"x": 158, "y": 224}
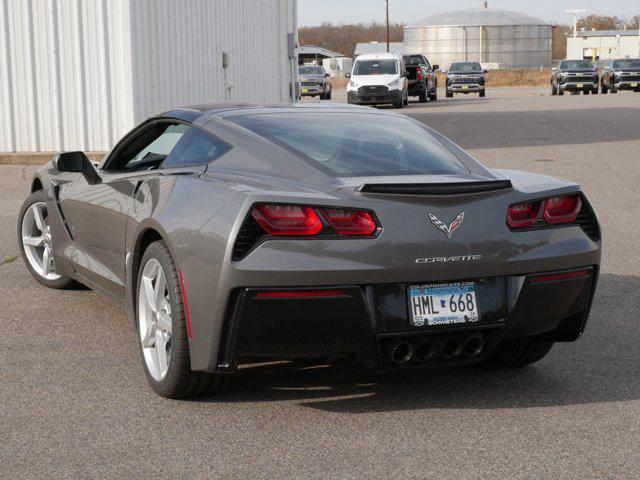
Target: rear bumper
{"x": 392, "y": 96}
{"x": 355, "y": 324}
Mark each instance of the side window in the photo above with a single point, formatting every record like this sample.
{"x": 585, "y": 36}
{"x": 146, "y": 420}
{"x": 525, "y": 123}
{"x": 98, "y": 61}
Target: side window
{"x": 195, "y": 147}
{"x": 147, "y": 148}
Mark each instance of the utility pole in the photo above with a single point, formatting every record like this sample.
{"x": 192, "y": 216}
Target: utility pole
{"x": 387, "y": 9}
{"x": 575, "y": 14}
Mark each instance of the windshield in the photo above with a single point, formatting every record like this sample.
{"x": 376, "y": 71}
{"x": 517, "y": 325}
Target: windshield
{"x": 375, "y": 67}
{"x": 626, "y": 64}
{"x": 466, "y": 67}
{"x": 575, "y": 64}
{"x": 311, "y": 70}
{"x": 356, "y": 144}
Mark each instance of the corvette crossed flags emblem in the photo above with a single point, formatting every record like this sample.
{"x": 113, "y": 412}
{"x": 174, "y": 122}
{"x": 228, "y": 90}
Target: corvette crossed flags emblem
{"x": 447, "y": 230}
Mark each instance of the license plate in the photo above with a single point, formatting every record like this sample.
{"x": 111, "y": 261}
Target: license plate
{"x": 443, "y": 304}
{"x": 634, "y": 85}
{"x": 305, "y": 90}
{"x": 580, "y": 85}
{"x": 465, "y": 87}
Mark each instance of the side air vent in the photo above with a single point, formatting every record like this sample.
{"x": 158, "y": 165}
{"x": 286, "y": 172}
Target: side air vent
{"x": 586, "y": 220}
{"x": 458, "y": 188}
{"x": 248, "y": 237}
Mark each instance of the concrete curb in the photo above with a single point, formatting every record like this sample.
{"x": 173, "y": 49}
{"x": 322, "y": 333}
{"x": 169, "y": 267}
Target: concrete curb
{"x": 37, "y": 158}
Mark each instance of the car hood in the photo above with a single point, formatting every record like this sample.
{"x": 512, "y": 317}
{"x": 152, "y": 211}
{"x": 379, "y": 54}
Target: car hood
{"x": 579, "y": 70}
{"x": 363, "y": 80}
{"x": 475, "y": 72}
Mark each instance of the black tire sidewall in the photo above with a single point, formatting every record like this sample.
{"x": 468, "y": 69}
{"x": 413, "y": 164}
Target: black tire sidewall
{"x": 160, "y": 252}
{"x": 35, "y": 197}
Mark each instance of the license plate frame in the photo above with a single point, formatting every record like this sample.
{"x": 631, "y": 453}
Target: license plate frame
{"x": 580, "y": 85}
{"x": 426, "y": 308}
{"x": 634, "y": 85}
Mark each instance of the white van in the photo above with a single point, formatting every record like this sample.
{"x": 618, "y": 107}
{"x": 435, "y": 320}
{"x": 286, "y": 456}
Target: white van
{"x": 377, "y": 79}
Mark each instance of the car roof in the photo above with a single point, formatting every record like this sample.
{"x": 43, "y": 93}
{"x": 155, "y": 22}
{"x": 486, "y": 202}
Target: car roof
{"x": 379, "y": 56}
{"x": 221, "y": 110}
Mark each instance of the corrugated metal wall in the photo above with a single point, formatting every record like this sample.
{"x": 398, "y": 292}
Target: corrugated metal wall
{"x": 177, "y": 52}
{"x": 64, "y": 82}
{"x": 78, "y": 74}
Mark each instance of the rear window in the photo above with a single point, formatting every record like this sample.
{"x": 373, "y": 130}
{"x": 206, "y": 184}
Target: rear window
{"x": 348, "y": 144}
{"x": 375, "y": 67}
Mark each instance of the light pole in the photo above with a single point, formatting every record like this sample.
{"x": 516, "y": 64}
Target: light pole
{"x": 387, "y": 10}
{"x": 575, "y": 14}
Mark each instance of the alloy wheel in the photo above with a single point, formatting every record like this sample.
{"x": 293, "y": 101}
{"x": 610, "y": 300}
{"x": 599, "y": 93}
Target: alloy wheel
{"x": 36, "y": 241}
{"x": 154, "y": 319}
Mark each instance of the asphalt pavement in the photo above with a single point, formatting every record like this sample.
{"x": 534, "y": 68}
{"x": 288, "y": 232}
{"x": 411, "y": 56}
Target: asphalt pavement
{"x": 74, "y": 402}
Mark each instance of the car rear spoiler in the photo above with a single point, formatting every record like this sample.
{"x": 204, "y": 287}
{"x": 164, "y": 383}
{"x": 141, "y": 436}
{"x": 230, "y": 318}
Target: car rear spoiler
{"x": 455, "y": 188}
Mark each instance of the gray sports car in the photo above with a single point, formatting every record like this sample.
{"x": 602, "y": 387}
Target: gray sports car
{"x": 244, "y": 233}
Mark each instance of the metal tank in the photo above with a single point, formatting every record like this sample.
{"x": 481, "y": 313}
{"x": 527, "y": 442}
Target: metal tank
{"x": 487, "y": 35}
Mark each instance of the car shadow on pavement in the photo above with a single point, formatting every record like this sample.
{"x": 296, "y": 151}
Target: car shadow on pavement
{"x": 601, "y": 367}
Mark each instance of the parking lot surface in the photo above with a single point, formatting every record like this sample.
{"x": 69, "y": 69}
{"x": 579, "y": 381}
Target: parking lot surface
{"x": 74, "y": 400}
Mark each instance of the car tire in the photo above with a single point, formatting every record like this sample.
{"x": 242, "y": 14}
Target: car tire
{"x": 399, "y": 103}
{"x": 554, "y": 90}
{"x": 449, "y": 94}
{"x": 594, "y": 91}
{"x": 177, "y": 380}
{"x": 327, "y": 96}
{"x": 603, "y": 89}
{"x": 406, "y": 101}
{"x": 33, "y": 216}
{"x": 612, "y": 89}
{"x": 560, "y": 91}
{"x": 517, "y": 353}
{"x": 433, "y": 96}
{"x": 482, "y": 93}
{"x": 422, "y": 96}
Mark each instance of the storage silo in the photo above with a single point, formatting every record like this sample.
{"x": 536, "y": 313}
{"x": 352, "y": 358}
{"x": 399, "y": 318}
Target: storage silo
{"x": 489, "y": 35}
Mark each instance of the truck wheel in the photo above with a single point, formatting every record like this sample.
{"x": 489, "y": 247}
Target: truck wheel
{"x": 604, "y": 89}
{"x": 594, "y": 91}
{"x": 449, "y": 94}
{"x": 554, "y": 90}
{"x": 405, "y": 102}
{"x": 482, "y": 93}
{"x": 560, "y": 91}
{"x": 422, "y": 97}
{"x": 613, "y": 89}
{"x": 433, "y": 96}
{"x": 399, "y": 103}
{"x": 327, "y": 96}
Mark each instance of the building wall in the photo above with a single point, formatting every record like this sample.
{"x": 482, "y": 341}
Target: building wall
{"x": 518, "y": 46}
{"x": 78, "y": 74}
{"x": 603, "y": 47}
{"x": 177, "y": 52}
{"x": 64, "y": 82}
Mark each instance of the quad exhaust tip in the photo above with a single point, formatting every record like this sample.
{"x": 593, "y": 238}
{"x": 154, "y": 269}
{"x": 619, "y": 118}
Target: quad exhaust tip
{"x": 400, "y": 351}
{"x": 427, "y": 349}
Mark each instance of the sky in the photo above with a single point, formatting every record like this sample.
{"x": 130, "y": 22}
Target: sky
{"x": 314, "y": 12}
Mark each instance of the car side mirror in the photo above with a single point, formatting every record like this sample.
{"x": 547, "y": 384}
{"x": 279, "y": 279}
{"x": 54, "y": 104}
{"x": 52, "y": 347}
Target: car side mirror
{"x": 554, "y": 69}
{"x": 435, "y": 67}
{"x": 77, "y": 162}
{"x": 444, "y": 70}
{"x": 326, "y": 75}
{"x": 347, "y": 75}
{"x": 486, "y": 70}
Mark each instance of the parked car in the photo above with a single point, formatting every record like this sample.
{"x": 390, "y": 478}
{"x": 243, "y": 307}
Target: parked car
{"x": 314, "y": 82}
{"x": 465, "y": 77}
{"x": 621, "y": 75}
{"x": 421, "y": 78}
{"x": 234, "y": 234}
{"x": 574, "y": 76}
{"x": 378, "y": 79}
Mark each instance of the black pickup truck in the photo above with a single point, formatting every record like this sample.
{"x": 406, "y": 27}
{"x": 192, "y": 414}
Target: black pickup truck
{"x": 421, "y": 77}
{"x": 621, "y": 75}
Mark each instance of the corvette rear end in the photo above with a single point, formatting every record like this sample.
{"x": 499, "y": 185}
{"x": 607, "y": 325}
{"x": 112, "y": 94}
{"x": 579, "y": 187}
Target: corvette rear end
{"x": 372, "y": 242}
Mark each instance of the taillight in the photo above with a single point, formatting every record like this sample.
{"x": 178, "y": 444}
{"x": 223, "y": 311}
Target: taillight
{"x": 350, "y": 222}
{"x": 523, "y": 215}
{"x": 555, "y": 210}
{"x": 287, "y": 219}
{"x": 304, "y": 220}
{"x": 562, "y": 209}
{"x": 419, "y": 74}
